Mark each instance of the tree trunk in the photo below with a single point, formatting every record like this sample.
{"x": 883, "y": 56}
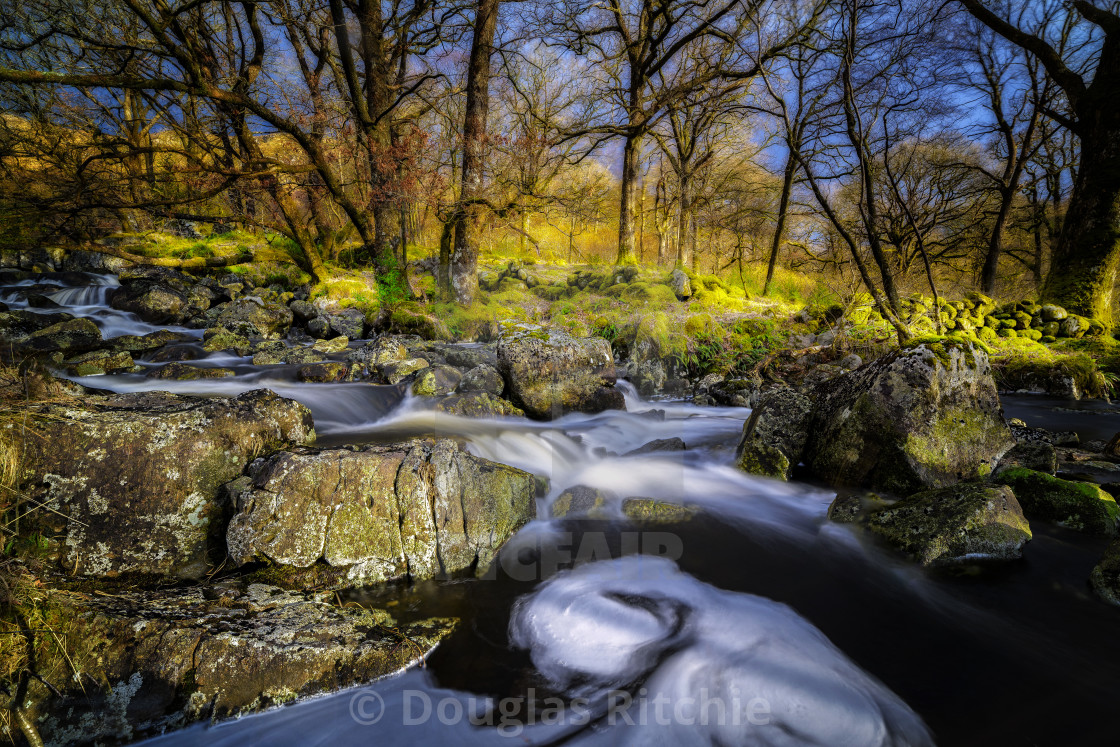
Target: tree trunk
{"x": 629, "y": 205}
{"x": 464, "y": 260}
{"x": 779, "y": 226}
{"x": 1084, "y": 264}
{"x": 686, "y": 226}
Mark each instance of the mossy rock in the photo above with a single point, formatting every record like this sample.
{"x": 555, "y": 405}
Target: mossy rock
{"x": 958, "y": 524}
{"x": 652, "y": 511}
{"x": 217, "y": 340}
{"x": 1105, "y": 578}
{"x": 182, "y": 372}
{"x": 1082, "y": 506}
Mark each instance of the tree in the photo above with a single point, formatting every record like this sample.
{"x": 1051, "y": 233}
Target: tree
{"x": 1087, "y": 258}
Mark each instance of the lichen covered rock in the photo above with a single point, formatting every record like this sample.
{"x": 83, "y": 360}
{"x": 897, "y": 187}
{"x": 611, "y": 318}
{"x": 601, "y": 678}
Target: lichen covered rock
{"x": 775, "y": 434}
{"x": 924, "y": 417}
{"x": 175, "y": 656}
{"x": 128, "y": 484}
{"x": 549, "y": 373}
{"x": 255, "y": 317}
{"x": 422, "y": 509}
{"x": 477, "y": 405}
{"x": 1083, "y": 506}
{"x": 957, "y": 524}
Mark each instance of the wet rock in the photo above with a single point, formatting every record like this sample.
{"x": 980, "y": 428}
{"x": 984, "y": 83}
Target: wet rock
{"x": 319, "y": 327}
{"x": 477, "y": 405}
{"x": 324, "y": 373}
{"x": 99, "y": 362}
{"x": 382, "y": 351}
{"x": 350, "y": 323}
{"x": 851, "y": 508}
{"x": 1105, "y": 578}
{"x": 469, "y": 356}
{"x": 658, "y": 445}
{"x": 333, "y": 345}
{"x": 71, "y": 336}
{"x": 582, "y": 500}
{"x": 1082, "y": 506}
{"x": 483, "y": 378}
{"x": 422, "y": 509}
{"x": 774, "y": 436}
{"x": 924, "y": 417}
{"x": 217, "y": 340}
{"x": 302, "y": 356}
{"x": 152, "y": 300}
{"x": 436, "y": 381}
{"x": 150, "y": 341}
{"x": 1026, "y": 434}
{"x": 395, "y": 373}
{"x": 18, "y": 324}
{"x": 737, "y": 392}
{"x": 128, "y": 484}
{"x": 182, "y": 372}
{"x": 651, "y": 511}
{"x": 1035, "y": 455}
{"x": 680, "y": 284}
{"x": 255, "y": 317}
{"x": 958, "y": 524}
{"x": 304, "y": 311}
{"x": 549, "y": 373}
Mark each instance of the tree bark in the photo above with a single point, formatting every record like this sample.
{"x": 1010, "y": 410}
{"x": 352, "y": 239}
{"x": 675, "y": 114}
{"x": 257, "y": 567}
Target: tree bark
{"x": 464, "y": 259}
{"x": 780, "y": 224}
{"x": 686, "y": 226}
{"x": 628, "y": 208}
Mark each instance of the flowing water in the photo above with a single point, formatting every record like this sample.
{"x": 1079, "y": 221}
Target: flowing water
{"x": 758, "y": 622}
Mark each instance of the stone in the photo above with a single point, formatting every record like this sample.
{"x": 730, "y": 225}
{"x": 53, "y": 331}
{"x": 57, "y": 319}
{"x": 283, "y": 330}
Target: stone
{"x": 150, "y": 341}
{"x": 153, "y": 299}
{"x": 16, "y": 325}
{"x": 182, "y": 372}
{"x": 774, "y": 436}
{"x": 651, "y": 511}
{"x": 304, "y": 311}
{"x": 470, "y": 356}
{"x": 420, "y": 509}
{"x": 217, "y": 340}
{"x": 1051, "y": 313}
{"x": 1039, "y": 456}
{"x": 253, "y": 316}
{"x": 581, "y": 500}
{"x": 658, "y": 445}
{"x": 1112, "y": 448}
{"x": 477, "y": 405}
{"x": 324, "y": 373}
{"x": 924, "y": 417}
{"x": 170, "y": 657}
{"x": 98, "y": 363}
{"x": 549, "y": 373}
{"x": 1105, "y": 577}
{"x": 319, "y": 327}
{"x": 436, "y": 381}
{"x": 680, "y": 284}
{"x": 957, "y": 524}
{"x": 395, "y": 373}
{"x": 1081, "y": 506}
{"x": 128, "y": 484}
{"x": 350, "y": 323}
{"x": 71, "y": 336}
{"x": 483, "y": 378}
{"x": 333, "y": 345}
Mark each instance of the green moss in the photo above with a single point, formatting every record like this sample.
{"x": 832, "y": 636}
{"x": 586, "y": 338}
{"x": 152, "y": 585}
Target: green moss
{"x": 1082, "y": 506}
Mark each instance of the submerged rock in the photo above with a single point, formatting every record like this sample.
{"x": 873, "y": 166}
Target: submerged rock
{"x": 775, "y": 434}
{"x": 175, "y": 656}
{"x": 924, "y": 417}
{"x": 420, "y": 509}
{"x": 583, "y": 500}
{"x": 128, "y": 484}
{"x": 1082, "y": 506}
{"x": 659, "y": 445}
{"x": 957, "y": 524}
{"x": 176, "y": 371}
{"x": 549, "y": 373}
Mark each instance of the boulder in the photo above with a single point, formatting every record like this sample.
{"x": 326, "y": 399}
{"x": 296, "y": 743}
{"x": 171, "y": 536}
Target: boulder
{"x": 468, "y": 356}
{"x": 958, "y": 524}
{"x": 477, "y": 405}
{"x": 652, "y": 511}
{"x": 176, "y": 371}
{"x": 71, "y": 336}
{"x": 217, "y": 340}
{"x": 333, "y": 345}
{"x": 304, "y": 311}
{"x": 324, "y": 373}
{"x": 17, "y": 324}
{"x": 1036, "y": 455}
{"x": 171, "y": 657}
{"x": 680, "y": 284}
{"x": 1082, "y": 506}
{"x": 421, "y": 509}
{"x": 99, "y": 362}
{"x": 549, "y": 373}
{"x": 775, "y": 434}
{"x": 1105, "y": 577}
{"x": 255, "y": 317}
{"x": 436, "y": 381}
{"x": 483, "y": 378}
{"x": 150, "y": 341}
{"x": 350, "y": 323}
{"x": 395, "y": 373}
{"x": 582, "y": 500}
{"x": 152, "y": 300}
{"x": 924, "y": 417}
{"x": 128, "y": 484}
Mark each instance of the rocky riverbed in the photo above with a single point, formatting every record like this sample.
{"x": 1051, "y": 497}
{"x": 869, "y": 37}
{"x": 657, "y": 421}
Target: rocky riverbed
{"x": 236, "y": 499}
